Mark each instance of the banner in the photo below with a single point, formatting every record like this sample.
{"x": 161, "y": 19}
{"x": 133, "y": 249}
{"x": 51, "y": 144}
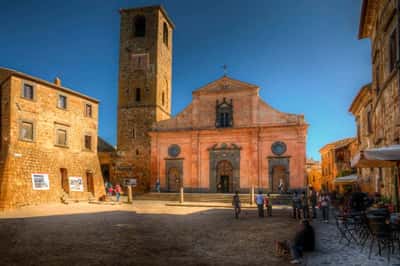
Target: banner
{"x": 75, "y": 183}
{"x": 40, "y": 182}
{"x": 130, "y": 182}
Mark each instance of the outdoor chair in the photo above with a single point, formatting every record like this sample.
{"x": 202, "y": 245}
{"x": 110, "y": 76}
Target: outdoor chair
{"x": 346, "y": 228}
{"x": 381, "y": 234}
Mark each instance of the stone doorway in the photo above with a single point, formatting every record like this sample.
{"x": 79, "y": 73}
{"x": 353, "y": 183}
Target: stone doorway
{"x": 224, "y": 177}
{"x": 90, "y": 182}
{"x": 278, "y": 169}
{"x": 278, "y": 176}
{"x": 174, "y": 180}
{"x": 64, "y": 180}
{"x": 224, "y": 168}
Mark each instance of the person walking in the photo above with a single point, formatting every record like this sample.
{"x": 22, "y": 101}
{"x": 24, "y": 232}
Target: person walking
{"x": 304, "y": 205}
{"x": 268, "y": 205}
{"x": 236, "y": 204}
{"x": 260, "y": 204}
{"x": 313, "y": 202}
{"x": 280, "y": 186}
{"x": 324, "y": 203}
{"x": 296, "y": 204}
{"x": 158, "y": 185}
{"x": 117, "y": 190}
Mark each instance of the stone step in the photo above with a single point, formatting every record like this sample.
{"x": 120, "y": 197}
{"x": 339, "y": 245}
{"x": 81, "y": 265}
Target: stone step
{"x": 208, "y": 197}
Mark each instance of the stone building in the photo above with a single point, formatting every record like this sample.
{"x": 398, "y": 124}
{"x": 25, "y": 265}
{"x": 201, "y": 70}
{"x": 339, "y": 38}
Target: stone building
{"x": 144, "y": 90}
{"x": 335, "y": 161}
{"x": 107, "y": 157}
{"x": 229, "y": 139}
{"x": 376, "y": 107}
{"x": 48, "y": 142}
{"x": 314, "y": 173}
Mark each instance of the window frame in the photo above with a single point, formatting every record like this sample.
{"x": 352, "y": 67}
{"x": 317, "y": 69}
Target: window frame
{"x": 21, "y": 122}
{"x": 393, "y": 51}
{"x": 138, "y": 95}
{"x": 165, "y": 34}
{"x": 33, "y": 85}
{"x": 58, "y": 128}
{"x": 142, "y": 33}
{"x": 59, "y": 95}
{"x": 85, "y": 110}
{"x": 85, "y": 148}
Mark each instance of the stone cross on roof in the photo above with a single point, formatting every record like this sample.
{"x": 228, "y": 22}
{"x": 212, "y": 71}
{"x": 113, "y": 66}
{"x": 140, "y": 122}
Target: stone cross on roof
{"x": 225, "y": 67}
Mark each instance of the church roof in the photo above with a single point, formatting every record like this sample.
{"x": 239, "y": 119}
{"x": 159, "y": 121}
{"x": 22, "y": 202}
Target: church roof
{"x": 225, "y": 84}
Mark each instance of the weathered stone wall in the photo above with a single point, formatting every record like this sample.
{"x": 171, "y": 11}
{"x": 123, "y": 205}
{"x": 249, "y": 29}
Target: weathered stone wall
{"x": 380, "y": 22}
{"x": 153, "y": 78}
{"x": 42, "y": 155}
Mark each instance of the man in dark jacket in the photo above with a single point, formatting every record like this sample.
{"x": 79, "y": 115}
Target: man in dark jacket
{"x": 304, "y": 240}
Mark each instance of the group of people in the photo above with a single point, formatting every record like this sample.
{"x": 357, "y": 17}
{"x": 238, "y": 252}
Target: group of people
{"x": 304, "y": 239}
{"x": 110, "y": 190}
{"x": 301, "y": 204}
{"x": 260, "y": 200}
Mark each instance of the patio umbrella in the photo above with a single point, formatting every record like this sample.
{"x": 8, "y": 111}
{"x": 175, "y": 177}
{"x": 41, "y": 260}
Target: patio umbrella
{"x": 377, "y": 157}
{"x": 380, "y": 157}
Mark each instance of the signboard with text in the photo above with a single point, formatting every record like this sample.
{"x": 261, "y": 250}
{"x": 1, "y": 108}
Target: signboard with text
{"x": 40, "y": 181}
{"x": 130, "y": 182}
{"x": 75, "y": 183}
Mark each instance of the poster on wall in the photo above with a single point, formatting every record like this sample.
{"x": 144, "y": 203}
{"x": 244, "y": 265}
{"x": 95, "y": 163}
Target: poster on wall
{"x": 130, "y": 182}
{"x": 40, "y": 181}
{"x": 75, "y": 183}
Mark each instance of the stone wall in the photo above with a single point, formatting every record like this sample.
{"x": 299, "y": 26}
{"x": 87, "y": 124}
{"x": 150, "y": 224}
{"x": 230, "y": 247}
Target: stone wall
{"x": 379, "y": 21}
{"x": 22, "y": 158}
{"x": 153, "y": 78}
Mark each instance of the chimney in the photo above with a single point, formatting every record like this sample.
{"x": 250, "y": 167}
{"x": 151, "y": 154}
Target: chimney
{"x": 57, "y": 81}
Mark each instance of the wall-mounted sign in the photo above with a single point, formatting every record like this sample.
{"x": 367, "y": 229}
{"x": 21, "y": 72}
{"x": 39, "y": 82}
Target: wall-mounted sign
{"x": 40, "y": 182}
{"x": 75, "y": 183}
{"x": 130, "y": 182}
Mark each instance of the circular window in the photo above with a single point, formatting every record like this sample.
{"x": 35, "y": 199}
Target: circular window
{"x": 278, "y": 148}
{"x": 174, "y": 150}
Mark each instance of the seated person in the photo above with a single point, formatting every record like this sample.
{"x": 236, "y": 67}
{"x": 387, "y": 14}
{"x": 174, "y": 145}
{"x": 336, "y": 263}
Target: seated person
{"x": 303, "y": 241}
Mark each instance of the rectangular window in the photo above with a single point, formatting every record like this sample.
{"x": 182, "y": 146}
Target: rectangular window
{"x": 26, "y": 131}
{"x": 61, "y": 137}
{"x": 27, "y": 91}
{"x": 138, "y": 95}
{"x": 88, "y": 110}
{"x": 392, "y": 51}
{"x": 62, "y": 101}
{"x": 88, "y": 142}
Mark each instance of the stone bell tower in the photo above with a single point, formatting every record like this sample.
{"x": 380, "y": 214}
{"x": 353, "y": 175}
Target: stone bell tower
{"x": 144, "y": 90}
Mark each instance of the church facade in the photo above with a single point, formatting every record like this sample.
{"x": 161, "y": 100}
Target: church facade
{"x": 229, "y": 139}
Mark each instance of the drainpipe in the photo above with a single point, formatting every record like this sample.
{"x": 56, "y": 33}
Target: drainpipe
{"x": 397, "y": 175}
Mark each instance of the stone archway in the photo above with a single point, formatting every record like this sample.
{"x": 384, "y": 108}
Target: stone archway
{"x": 224, "y": 177}
{"x": 230, "y": 154}
{"x": 278, "y": 170}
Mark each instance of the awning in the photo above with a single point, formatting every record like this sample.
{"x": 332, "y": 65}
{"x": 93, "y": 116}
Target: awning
{"x": 377, "y": 157}
{"x": 346, "y": 179}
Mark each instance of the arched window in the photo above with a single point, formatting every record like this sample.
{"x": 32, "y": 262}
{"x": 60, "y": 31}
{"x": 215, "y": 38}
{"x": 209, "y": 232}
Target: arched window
{"x": 137, "y": 95}
{"x": 165, "y": 34}
{"x": 163, "y": 98}
{"x": 224, "y": 114}
{"x": 139, "y": 26}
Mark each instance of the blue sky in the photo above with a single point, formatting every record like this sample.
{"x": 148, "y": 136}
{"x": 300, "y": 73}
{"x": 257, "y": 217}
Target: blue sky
{"x": 304, "y": 55}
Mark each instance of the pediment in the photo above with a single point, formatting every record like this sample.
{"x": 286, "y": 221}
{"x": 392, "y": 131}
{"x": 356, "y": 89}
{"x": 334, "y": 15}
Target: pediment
{"x": 225, "y": 84}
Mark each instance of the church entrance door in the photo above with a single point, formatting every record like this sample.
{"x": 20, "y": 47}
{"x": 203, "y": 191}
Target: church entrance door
{"x": 174, "y": 180}
{"x": 224, "y": 177}
{"x": 278, "y": 176}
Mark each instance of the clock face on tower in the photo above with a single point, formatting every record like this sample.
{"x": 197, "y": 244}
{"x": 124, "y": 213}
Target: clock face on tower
{"x": 174, "y": 150}
{"x": 278, "y": 148}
